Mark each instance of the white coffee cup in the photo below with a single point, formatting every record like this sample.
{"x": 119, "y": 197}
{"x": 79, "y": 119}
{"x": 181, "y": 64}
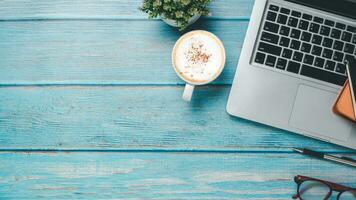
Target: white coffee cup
{"x": 198, "y": 57}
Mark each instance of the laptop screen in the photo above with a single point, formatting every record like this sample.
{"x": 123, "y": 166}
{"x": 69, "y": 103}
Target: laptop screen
{"x": 345, "y": 8}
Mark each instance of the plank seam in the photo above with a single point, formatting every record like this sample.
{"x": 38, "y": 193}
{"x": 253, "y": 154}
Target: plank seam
{"x": 110, "y": 18}
{"x": 102, "y": 84}
{"x": 200, "y": 151}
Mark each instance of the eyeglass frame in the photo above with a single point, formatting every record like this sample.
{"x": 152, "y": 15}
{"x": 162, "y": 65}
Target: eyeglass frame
{"x": 299, "y": 179}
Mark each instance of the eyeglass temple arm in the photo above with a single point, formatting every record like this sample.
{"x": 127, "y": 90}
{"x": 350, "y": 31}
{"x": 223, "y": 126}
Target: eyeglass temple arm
{"x": 334, "y": 186}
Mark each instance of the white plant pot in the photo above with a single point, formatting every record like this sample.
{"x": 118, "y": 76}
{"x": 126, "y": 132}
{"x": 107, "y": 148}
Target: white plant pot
{"x": 173, "y": 23}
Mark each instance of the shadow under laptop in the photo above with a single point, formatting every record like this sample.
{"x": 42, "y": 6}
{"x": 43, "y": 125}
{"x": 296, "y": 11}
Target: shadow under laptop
{"x": 275, "y": 142}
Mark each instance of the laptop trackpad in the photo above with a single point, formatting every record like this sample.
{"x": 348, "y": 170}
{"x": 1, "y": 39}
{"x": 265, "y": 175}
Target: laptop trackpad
{"x": 312, "y": 112}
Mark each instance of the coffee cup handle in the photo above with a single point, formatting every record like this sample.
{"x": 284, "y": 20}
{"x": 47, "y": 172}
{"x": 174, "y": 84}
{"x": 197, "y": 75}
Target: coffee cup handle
{"x": 188, "y": 92}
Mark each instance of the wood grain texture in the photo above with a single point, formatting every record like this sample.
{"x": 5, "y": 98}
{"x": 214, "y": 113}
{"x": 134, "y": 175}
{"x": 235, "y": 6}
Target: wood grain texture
{"x": 132, "y": 117}
{"x": 102, "y": 52}
{"x": 103, "y": 9}
{"x": 160, "y": 175}
{"x": 101, "y": 115}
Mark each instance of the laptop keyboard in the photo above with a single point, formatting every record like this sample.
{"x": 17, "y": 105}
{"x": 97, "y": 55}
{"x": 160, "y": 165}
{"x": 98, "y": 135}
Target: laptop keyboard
{"x": 304, "y": 44}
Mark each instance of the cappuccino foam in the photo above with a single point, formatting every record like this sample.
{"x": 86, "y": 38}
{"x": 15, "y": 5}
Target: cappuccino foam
{"x": 198, "y": 57}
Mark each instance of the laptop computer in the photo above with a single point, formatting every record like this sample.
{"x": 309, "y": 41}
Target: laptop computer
{"x": 291, "y": 67}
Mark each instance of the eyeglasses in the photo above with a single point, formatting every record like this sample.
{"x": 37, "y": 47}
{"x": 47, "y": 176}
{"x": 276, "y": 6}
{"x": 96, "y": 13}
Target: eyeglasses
{"x": 316, "y": 189}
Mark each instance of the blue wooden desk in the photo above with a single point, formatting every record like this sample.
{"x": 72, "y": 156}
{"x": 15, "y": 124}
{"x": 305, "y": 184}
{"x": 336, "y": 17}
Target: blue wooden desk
{"x": 91, "y": 108}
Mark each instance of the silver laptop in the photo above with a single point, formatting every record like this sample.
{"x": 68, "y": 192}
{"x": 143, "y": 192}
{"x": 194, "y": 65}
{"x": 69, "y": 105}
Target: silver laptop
{"x": 291, "y": 67}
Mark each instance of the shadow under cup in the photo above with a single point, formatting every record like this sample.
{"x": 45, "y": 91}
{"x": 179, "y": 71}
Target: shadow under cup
{"x": 195, "y": 49}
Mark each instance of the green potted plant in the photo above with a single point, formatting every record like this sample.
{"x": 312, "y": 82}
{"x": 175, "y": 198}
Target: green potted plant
{"x": 177, "y": 13}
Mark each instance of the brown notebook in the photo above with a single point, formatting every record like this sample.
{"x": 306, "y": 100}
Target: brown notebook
{"x": 343, "y": 105}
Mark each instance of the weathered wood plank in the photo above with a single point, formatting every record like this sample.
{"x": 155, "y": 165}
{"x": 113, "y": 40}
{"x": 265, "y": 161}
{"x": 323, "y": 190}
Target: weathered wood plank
{"x": 96, "y": 52}
{"x": 98, "y": 9}
{"x": 133, "y": 117}
{"x": 160, "y": 175}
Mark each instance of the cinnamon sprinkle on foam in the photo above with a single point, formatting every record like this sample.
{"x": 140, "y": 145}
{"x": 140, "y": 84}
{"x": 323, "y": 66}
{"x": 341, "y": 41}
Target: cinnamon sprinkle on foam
{"x": 197, "y": 54}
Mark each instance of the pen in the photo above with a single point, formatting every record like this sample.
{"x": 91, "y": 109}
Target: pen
{"x": 343, "y": 160}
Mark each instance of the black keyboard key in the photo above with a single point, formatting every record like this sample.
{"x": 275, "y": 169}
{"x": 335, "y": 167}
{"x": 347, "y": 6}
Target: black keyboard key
{"x": 296, "y": 14}
{"x": 340, "y": 26}
{"x": 316, "y": 50}
{"x": 349, "y": 48}
{"x": 322, "y": 75}
{"x": 348, "y": 57}
{"x": 329, "y": 22}
{"x": 281, "y": 63}
{"x": 297, "y": 56}
{"x": 305, "y": 47}
{"x": 260, "y": 57}
{"x": 338, "y": 56}
{"x": 285, "y": 11}
{"x": 317, "y": 39}
{"x": 319, "y": 62}
{"x": 293, "y": 67}
{"x": 354, "y": 39}
{"x": 324, "y": 30}
{"x": 269, "y": 37}
{"x": 271, "y": 61}
{"x": 308, "y": 59}
{"x": 303, "y": 25}
{"x": 295, "y": 44}
{"x": 282, "y": 19}
{"x": 284, "y": 31}
{"x": 269, "y": 48}
{"x": 295, "y": 33}
{"x": 330, "y": 65}
{"x": 287, "y": 53}
{"x": 338, "y": 45}
{"x": 273, "y": 7}
{"x": 327, "y": 42}
{"x": 318, "y": 20}
{"x": 340, "y": 68}
{"x": 271, "y": 16}
{"x": 335, "y": 33}
{"x": 271, "y": 27}
{"x": 346, "y": 36}
{"x": 327, "y": 53}
{"x": 307, "y": 17}
{"x": 284, "y": 42}
{"x": 292, "y": 22}
{"x": 306, "y": 36}
{"x": 351, "y": 29}
{"x": 314, "y": 27}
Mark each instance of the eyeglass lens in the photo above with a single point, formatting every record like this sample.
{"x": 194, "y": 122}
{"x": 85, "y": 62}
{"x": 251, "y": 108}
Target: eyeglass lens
{"x": 348, "y": 195}
{"x": 313, "y": 190}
